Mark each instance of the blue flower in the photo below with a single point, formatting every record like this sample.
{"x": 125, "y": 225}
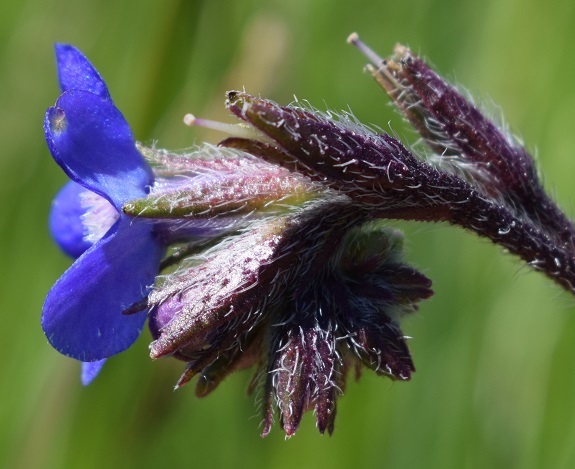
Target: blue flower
{"x": 92, "y": 142}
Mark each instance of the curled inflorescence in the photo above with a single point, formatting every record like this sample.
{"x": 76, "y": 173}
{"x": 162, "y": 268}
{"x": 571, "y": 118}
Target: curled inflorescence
{"x": 271, "y": 250}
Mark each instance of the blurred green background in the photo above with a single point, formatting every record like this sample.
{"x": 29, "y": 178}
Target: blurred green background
{"x": 495, "y": 347}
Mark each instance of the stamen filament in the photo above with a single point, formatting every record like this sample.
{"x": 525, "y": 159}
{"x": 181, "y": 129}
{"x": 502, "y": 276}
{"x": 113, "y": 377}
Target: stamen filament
{"x": 372, "y": 56}
{"x": 235, "y": 130}
{"x": 232, "y": 129}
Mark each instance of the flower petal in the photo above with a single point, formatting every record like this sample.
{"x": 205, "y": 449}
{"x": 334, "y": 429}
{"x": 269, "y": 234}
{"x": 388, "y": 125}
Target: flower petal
{"x": 92, "y": 142}
{"x": 90, "y": 370}
{"x": 82, "y": 315}
{"x": 66, "y": 226}
{"x": 75, "y": 72}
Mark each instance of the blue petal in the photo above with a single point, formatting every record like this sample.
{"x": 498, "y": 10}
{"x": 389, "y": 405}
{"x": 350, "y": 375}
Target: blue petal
{"x": 82, "y": 315}
{"x": 90, "y": 370}
{"x": 66, "y": 225}
{"x": 75, "y": 72}
{"x": 92, "y": 142}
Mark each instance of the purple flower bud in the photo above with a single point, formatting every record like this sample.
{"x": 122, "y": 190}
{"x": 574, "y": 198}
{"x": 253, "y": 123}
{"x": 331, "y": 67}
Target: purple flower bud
{"x": 197, "y": 300}
{"x": 304, "y": 297}
{"x": 216, "y": 182}
{"x": 340, "y": 152}
{"x": 465, "y": 140}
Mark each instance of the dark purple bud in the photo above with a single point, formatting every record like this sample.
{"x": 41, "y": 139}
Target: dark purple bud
{"x": 304, "y": 374}
{"x": 375, "y": 170}
{"x": 383, "y": 350}
{"x": 330, "y": 381}
{"x": 292, "y": 373}
{"x": 371, "y": 264}
{"x": 196, "y": 300}
{"x": 344, "y": 154}
{"x": 465, "y": 140}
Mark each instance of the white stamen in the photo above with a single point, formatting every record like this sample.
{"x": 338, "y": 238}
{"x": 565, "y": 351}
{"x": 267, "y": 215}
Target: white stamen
{"x": 236, "y": 130}
{"x": 375, "y": 59}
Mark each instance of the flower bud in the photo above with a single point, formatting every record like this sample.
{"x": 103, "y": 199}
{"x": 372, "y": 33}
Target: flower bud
{"x": 217, "y": 182}
{"x": 466, "y": 141}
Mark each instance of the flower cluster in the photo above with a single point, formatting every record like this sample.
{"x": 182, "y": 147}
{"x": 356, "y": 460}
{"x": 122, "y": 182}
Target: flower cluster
{"x": 270, "y": 250}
